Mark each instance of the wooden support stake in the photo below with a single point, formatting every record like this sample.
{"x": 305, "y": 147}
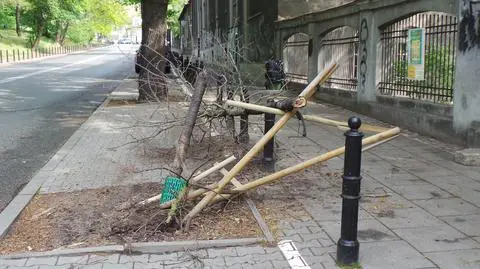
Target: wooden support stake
{"x": 317, "y": 119}
{"x": 301, "y": 166}
{"x": 201, "y": 176}
{"x": 306, "y": 93}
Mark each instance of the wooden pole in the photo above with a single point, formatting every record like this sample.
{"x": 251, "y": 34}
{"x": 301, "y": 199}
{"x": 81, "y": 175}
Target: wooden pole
{"x": 364, "y": 127}
{"x": 307, "y": 93}
{"x": 375, "y": 139}
{"x": 317, "y": 119}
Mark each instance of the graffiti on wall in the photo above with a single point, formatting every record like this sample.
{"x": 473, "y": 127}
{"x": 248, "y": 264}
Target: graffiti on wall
{"x": 363, "y": 53}
{"x": 469, "y": 32}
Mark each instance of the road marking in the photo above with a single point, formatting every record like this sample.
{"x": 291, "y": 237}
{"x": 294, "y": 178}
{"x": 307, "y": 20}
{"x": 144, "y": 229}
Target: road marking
{"x": 292, "y": 255}
{"x": 48, "y": 70}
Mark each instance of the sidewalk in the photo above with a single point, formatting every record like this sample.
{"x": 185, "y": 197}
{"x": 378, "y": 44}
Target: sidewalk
{"x": 419, "y": 209}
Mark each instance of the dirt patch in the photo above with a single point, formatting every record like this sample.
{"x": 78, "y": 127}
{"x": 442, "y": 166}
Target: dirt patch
{"x": 104, "y": 217}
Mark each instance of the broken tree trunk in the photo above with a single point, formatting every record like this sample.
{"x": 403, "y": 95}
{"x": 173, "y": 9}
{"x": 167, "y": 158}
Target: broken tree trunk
{"x": 190, "y": 120}
{"x": 307, "y": 93}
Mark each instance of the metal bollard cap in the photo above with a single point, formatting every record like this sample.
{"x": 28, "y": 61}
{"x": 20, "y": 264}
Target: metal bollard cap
{"x": 354, "y": 123}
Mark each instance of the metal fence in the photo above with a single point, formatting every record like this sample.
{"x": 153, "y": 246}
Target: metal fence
{"x": 440, "y": 44}
{"x": 341, "y": 43}
{"x": 295, "y": 58}
{"x": 19, "y": 55}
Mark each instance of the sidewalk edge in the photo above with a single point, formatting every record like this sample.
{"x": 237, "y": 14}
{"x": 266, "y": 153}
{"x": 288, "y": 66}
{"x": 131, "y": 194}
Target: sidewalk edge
{"x": 142, "y": 248}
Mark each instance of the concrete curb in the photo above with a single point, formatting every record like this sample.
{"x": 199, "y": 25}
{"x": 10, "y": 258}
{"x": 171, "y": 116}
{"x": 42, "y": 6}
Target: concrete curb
{"x": 160, "y": 247}
{"x": 10, "y": 214}
{"x": 141, "y": 248}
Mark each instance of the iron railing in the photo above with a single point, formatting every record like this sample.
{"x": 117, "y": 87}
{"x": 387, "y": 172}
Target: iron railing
{"x": 295, "y": 58}
{"x": 440, "y": 49}
{"x": 342, "y": 42}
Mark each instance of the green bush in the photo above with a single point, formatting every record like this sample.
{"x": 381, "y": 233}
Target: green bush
{"x": 7, "y": 17}
{"x": 439, "y": 68}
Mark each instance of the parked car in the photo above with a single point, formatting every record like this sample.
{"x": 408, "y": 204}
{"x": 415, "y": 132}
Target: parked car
{"x": 125, "y": 41}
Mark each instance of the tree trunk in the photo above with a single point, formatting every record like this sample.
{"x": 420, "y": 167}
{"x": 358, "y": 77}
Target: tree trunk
{"x": 151, "y": 82}
{"x": 58, "y": 34}
{"x": 64, "y": 34}
{"x": 38, "y": 35}
{"x": 17, "y": 19}
{"x": 190, "y": 120}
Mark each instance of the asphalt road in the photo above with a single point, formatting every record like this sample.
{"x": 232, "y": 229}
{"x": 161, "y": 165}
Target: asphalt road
{"x": 42, "y": 103}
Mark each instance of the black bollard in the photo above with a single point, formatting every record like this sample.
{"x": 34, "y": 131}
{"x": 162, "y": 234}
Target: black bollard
{"x": 268, "y": 149}
{"x": 348, "y": 246}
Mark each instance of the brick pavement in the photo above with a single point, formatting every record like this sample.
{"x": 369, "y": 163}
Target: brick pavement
{"x": 419, "y": 208}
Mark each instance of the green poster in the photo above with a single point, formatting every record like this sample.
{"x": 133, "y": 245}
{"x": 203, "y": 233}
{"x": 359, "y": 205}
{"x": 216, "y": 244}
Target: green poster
{"x": 416, "y": 53}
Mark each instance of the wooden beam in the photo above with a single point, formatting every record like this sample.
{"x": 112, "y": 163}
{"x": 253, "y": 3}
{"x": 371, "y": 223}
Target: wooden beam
{"x": 317, "y": 119}
{"x": 375, "y": 139}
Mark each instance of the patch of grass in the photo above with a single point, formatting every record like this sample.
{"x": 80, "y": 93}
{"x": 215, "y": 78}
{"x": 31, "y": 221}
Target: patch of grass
{"x": 9, "y": 40}
{"x": 351, "y": 266}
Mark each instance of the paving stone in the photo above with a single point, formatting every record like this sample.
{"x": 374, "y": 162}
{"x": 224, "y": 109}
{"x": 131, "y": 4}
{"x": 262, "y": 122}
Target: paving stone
{"x": 293, "y": 231}
{"x": 400, "y": 179}
{"x": 408, "y": 218}
{"x": 281, "y": 264}
{"x": 133, "y": 258}
{"x": 295, "y": 238}
{"x": 65, "y": 266}
{"x": 110, "y": 258}
{"x": 198, "y": 253}
{"x": 23, "y": 267}
{"x": 420, "y": 191}
{"x": 90, "y": 266}
{"x": 477, "y": 238}
{"x": 242, "y": 251}
{"x": 458, "y": 259}
{"x": 323, "y": 211}
{"x": 448, "y": 207}
{"x": 42, "y": 261}
{"x": 317, "y": 261}
{"x": 438, "y": 238}
{"x": 271, "y": 256}
{"x": 392, "y": 255}
{"x": 174, "y": 256}
{"x": 320, "y": 236}
{"x": 72, "y": 260}
{"x": 222, "y": 252}
{"x": 13, "y": 262}
{"x": 247, "y": 259}
{"x": 324, "y": 251}
{"x": 263, "y": 265}
{"x": 368, "y": 230}
{"x": 157, "y": 265}
{"x": 218, "y": 262}
{"x": 303, "y": 224}
{"x": 118, "y": 266}
{"x": 469, "y": 225}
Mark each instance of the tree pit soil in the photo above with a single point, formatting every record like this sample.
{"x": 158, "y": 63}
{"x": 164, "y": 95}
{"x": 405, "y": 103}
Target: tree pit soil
{"x": 106, "y": 217}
